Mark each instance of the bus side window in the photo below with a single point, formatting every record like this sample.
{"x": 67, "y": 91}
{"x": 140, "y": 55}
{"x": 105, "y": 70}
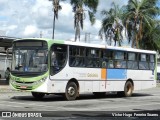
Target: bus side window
{"x": 72, "y": 54}
{"x": 104, "y": 64}
{"x": 93, "y": 58}
{"x": 132, "y": 62}
{"x": 89, "y": 62}
{"x": 117, "y": 64}
{"x": 89, "y": 56}
{"x": 77, "y": 59}
{"x": 103, "y": 58}
{"x": 110, "y": 64}
{"x": 120, "y": 59}
{"x": 143, "y": 64}
{"x": 151, "y": 62}
{"x": 107, "y": 58}
{"x": 72, "y": 61}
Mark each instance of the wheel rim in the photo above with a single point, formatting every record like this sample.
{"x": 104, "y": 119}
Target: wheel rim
{"x": 71, "y": 91}
{"x": 129, "y": 89}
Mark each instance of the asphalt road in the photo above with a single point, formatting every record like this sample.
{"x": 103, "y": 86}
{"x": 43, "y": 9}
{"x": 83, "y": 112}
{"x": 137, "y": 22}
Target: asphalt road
{"x": 144, "y": 103}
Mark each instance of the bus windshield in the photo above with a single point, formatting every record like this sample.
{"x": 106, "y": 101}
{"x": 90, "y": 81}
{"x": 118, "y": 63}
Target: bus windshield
{"x": 30, "y": 60}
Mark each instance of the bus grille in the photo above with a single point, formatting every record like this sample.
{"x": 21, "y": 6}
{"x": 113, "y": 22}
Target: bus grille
{"x": 24, "y": 82}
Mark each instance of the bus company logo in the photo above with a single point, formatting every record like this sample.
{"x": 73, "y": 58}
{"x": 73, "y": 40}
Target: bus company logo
{"x": 92, "y": 75}
{"x": 6, "y": 114}
{"x": 82, "y": 74}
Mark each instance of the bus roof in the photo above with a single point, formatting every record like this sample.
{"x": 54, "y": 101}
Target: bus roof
{"x": 91, "y": 45}
{"x": 109, "y": 47}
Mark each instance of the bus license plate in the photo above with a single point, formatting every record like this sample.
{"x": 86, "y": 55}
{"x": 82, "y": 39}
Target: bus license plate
{"x": 24, "y": 87}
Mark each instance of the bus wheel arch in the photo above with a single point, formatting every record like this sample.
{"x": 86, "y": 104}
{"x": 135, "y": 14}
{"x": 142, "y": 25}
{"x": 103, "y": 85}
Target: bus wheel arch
{"x": 72, "y": 89}
{"x": 128, "y": 88}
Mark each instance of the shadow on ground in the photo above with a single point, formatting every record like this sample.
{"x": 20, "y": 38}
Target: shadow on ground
{"x": 52, "y": 97}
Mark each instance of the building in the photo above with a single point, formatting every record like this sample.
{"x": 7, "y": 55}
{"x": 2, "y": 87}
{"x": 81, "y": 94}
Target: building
{"x": 5, "y": 61}
{"x": 5, "y": 55}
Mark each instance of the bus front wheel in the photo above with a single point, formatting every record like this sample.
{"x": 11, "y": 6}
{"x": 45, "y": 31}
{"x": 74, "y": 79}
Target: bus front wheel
{"x": 38, "y": 95}
{"x": 71, "y": 91}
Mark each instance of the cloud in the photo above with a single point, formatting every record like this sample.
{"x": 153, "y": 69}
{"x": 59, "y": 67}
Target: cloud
{"x": 2, "y": 4}
{"x": 26, "y": 18}
{"x": 30, "y": 30}
{"x": 12, "y": 27}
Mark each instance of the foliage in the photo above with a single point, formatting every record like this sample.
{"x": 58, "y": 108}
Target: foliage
{"x": 151, "y": 39}
{"x": 139, "y": 14}
{"x": 79, "y": 13}
{"x": 112, "y": 25}
{"x": 56, "y": 8}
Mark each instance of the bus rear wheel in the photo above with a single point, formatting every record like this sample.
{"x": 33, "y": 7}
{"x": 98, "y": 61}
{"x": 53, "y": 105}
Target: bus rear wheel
{"x": 38, "y": 95}
{"x": 128, "y": 90}
{"x": 71, "y": 91}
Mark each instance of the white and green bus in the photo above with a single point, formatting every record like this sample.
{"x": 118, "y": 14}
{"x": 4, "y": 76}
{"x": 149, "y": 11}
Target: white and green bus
{"x": 46, "y": 66}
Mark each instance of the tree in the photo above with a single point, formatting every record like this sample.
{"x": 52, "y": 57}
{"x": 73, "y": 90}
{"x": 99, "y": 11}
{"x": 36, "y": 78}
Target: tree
{"x": 151, "y": 39}
{"x": 79, "y": 14}
{"x": 139, "y": 14}
{"x": 112, "y": 25}
{"x": 56, "y": 8}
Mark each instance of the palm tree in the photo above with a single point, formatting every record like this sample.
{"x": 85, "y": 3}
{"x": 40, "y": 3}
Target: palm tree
{"x": 56, "y": 8}
{"x": 111, "y": 25}
{"x": 139, "y": 13}
{"x": 79, "y": 14}
{"x": 151, "y": 40}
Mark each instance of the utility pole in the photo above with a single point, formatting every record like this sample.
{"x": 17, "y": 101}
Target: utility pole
{"x": 41, "y": 34}
{"x": 87, "y": 37}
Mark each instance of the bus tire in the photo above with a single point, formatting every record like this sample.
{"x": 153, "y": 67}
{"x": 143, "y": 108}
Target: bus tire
{"x": 71, "y": 91}
{"x": 38, "y": 95}
{"x": 128, "y": 89}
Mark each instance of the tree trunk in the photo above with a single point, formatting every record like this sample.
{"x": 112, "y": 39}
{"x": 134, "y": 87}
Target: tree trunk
{"x": 53, "y": 25}
{"x": 137, "y": 42}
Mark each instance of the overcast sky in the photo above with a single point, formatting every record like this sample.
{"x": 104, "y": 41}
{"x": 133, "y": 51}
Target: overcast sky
{"x": 27, "y": 18}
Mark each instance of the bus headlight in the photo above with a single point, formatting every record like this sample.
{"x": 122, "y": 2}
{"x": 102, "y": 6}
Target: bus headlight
{"x": 40, "y": 81}
{"x": 43, "y": 79}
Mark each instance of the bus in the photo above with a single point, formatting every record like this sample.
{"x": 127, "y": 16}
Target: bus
{"x": 46, "y": 66}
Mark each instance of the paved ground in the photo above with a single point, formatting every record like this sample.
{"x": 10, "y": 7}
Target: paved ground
{"x": 87, "y": 105}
